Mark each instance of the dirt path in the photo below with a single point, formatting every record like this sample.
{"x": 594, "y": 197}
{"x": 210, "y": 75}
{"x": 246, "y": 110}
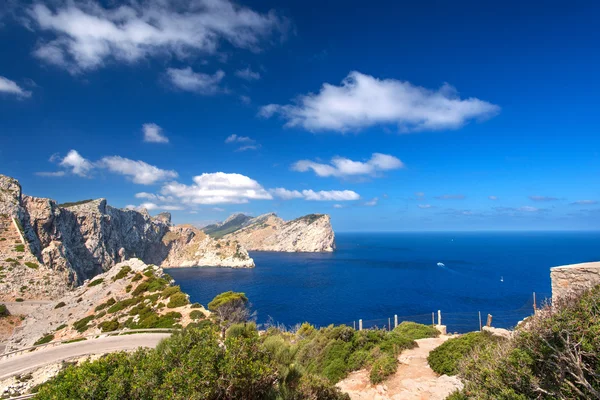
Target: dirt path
{"x": 413, "y": 380}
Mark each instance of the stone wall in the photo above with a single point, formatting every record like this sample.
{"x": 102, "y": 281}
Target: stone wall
{"x": 575, "y": 278}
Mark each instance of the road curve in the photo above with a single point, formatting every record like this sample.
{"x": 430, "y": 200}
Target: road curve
{"x": 31, "y": 361}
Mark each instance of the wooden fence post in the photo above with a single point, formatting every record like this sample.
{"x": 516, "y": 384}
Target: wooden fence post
{"x": 489, "y": 320}
{"x": 479, "y": 321}
{"x": 389, "y": 324}
{"x": 534, "y": 305}
{"x": 360, "y": 324}
{"x": 432, "y": 318}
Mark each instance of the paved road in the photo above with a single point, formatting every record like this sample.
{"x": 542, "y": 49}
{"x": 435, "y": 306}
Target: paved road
{"x": 31, "y": 361}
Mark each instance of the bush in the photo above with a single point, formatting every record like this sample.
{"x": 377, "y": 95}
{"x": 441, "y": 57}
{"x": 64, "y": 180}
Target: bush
{"x": 196, "y": 315}
{"x": 44, "y": 340}
{"x": 141, "y": 288}
{"x": 178, "y": 300}
{"x": 19, "y": 300}
{"x": 382, "y": 368}
{"x": 95, "y": 282}
{"x": 109, "y": 326}
{"x": 242, "y": 330}
{"x": 32, "y": 265}
{"x": 445, "y": 358}
{"x": 4, "y": 311}
{"x": 196, "y": 305}
{"x": 415, "y": 331}
{"x": 20, "y": 248}
{"x": 171, "y": 290}
{"x": 230, "y": 307}
{"x": 108, "y": 303}
{"x": 136, "y": 277}
{"x": 63, "y": 326}
{"x": 60, "y": 305}
{"x": 123, "y": 272}
{"x": 82, "y": 324}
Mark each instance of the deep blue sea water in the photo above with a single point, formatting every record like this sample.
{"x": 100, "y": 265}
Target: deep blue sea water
{"x": 374, "y": 276}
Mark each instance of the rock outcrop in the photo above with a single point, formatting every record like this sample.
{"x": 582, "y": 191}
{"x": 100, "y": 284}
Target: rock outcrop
{"x": 573, "y": 279}
{"x": 268, "y": 232}
{"x": 81, "y": 240}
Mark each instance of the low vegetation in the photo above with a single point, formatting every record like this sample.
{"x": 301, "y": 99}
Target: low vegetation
{"x": 95, "y": 282}
{"x": 60, "y": 305}
{"x": 32, "y": 265}
{"x": 123, "y": 272}
{"x": 45, "y": 339}
{"x": 75, "y": 203}
{"x": 445, "y": 359}
{"x": 552, "y": 355}
{"x": 415, "y": 331}
{"x": 4, "y": 311}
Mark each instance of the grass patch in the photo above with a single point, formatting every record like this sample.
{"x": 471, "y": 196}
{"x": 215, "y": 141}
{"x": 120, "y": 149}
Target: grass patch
{"x": 60, "y": 305}
{"x": 82, "y": 324}
{"x": 20, "y": 248}
{"x": 123, "y": 272}
{"x": 415, "y": 331}
{"x": 44, "y": 339}
{"x": 32, "y": 265}
{"x": 95, "y": 282}
{"x": 81, "y": 339}
{"x": 445, "y": 358}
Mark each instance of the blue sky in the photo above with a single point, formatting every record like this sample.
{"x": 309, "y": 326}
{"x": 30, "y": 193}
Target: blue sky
{"x": 399, "y": 116}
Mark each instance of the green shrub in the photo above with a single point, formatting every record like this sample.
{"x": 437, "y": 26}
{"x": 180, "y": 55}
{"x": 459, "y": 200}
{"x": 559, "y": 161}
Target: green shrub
{"x": 382, "y": 368}
{"x": 44, "y": 339}
{"x": 11, "y": 260}
{"x": 123, "y": 272}
{"x": 82, "y": 324}
{"x": 20, "y": 248}
{"x": 60, "y": 305}
{"x": 196, "y": 315}
{"x": 243, "y": 330}
{"x": 63, "y": 326}
{"x": 177, "y": 300}
{"x": 445, "y": 359}
{"x": 101, "y": 314}
{"x": 32, "y": 265}
{"x": 4, "y": 311}
{"x": 196, "y": 305}
{"x": 136, "y": 277}
{"x": 19, "y": 300}
{"x": 457, "y": 395}
{"x": 109, "y": 326}
{"x": 415, "y": 331}
{"x": 96, "y": 282}
{"x": 128, "y": 288}
{"x": 108, "y": 303}
{"x": 170, "y": 291}
{"x": 141, "y": 288}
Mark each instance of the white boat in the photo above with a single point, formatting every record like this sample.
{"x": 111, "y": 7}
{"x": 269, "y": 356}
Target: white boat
{"x": 501, "y": 279}
{"x": 440, "y": 264}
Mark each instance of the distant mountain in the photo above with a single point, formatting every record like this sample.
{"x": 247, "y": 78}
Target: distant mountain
{"x": 268, "y": 232}
{"x": 231, "y": 224}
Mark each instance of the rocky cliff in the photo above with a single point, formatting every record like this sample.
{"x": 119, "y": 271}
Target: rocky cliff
{"x": 268, "y": 232}
{"x": 81, "y": 240}
{"x": 568, "y": 280}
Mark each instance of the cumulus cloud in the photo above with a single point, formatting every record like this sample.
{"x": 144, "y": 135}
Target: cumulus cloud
{"x": 520, "y": 210}
{"x": 543, "y": 198}
{"x": 153, "y": 206}
{"x": 139, "y": 171}
{"x": 420, "y": 194}
{"x": 85, "y": 35}
{"x": 247, "y": 74}
{"x": 153, "y": 134}
{"x": 338, "y": 206}
{"x": 285, "y": 194}
{"x": 450, "y": 197}
{"x": 55, "y": 174}
{"x": 197, "y": 82}
{"x": 344, "y": 167}
{"x": 425, "y": 206}
{"x": 493, "y": 197}
{"x": 76, "y": 163}
{"x": 584, "y": 202}
{"x": 362, "y": 101}
{"x": 217, "y": 188}
{"x": 322, "y": 195}
{"x": 10, "y": 87}
{"x": 330, "y": 195}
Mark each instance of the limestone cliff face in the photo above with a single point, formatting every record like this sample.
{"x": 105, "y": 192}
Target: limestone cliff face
{"x": 568, "y": 280}
{"x": 84, "y": 239}
{"x": 268, "y": 232}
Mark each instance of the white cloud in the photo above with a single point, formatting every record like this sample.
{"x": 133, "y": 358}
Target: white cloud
{"x": 338, "y": 206}
{"x": 245, "y": 99}
{"x": 188, "y": 80}
{"x": 247, "y": 74}
{"x": 372, "y": 202}
{"x": 363, "y": 101}
{"x": 419, "y": 194}
{"x": 76, "y": 163}
{"x": 155, "y": 197}
{"x": 247, "y": 143}
{"x": 425, "y": 206}
{"x": 85, "y": 35}
{"x": 10, "y": 87}
{"x": 56, "y": 174}
{"x": 493, "y": 197}
{"x": 528, "y": 209}
{"x": 344, "y": 167}
{"x": 285, "y": 194}
{"x": 153, "y": 134}
{"x": 238, "y": 139}
{"x": 217, "y": 188}
{"x": 149, "y": 206}
{"x": 139, "y": 171}
{"x": 584, "y": 202}
{"x": 330, "y": 195}
{"x": 322, "y": 195}
{"x": 219, "y": 209}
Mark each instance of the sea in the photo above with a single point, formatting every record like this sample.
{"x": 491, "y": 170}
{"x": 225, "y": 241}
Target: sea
{"x": 375, "y": 277}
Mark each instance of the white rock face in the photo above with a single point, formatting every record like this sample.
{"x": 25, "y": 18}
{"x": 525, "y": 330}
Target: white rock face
{"x": 82, "y": 240}
{"x": 573, "y": 279}
{"x": 310, "y": 233}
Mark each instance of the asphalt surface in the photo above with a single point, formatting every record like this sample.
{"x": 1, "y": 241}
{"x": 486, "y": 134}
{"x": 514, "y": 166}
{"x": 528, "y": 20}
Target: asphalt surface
{"x": 26, "y": 362}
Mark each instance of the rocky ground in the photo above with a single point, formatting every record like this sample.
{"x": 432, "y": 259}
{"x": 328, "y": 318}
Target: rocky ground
{"x": 130, "y": 295}
{"x": 414, "y": 379}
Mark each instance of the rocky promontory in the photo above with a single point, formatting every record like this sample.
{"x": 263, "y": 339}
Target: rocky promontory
{"x": 268, "y": 232}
